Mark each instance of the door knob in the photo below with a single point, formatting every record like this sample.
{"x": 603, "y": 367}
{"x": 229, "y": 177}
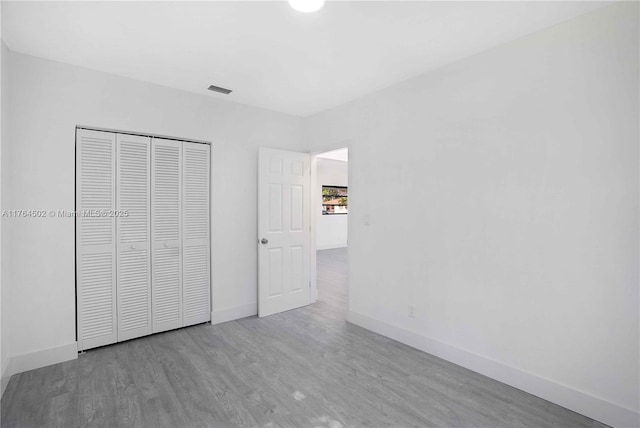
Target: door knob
{"x": 166, "y": 244}
{"x": 264, "y": 241}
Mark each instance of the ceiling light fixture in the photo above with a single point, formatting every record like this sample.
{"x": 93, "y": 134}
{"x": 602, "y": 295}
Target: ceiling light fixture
{"x": 306, "y": 6}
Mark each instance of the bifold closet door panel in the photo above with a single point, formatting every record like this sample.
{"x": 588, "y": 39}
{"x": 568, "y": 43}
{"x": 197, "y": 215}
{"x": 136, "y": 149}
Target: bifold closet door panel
{"x": 196, "y": 283}
{"x": 95, "y": 238}
{"x": 166, "y": 234}
{"x": 133, "y": 248}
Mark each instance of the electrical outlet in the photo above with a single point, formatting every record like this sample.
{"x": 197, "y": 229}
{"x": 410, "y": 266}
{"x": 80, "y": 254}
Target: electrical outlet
{"x": 412, "y": 311}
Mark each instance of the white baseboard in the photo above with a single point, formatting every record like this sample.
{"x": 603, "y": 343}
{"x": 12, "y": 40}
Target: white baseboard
{"x": 330, "y": 245}
{"x": 6, "y": 375}
{"x": 45, "y": 357}
{"x": 230, "y": 314}
{"x": 35, "y": 360}
{"x": 585, "y": 404}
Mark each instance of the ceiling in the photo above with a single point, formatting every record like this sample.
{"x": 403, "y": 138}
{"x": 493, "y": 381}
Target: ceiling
{"x": 268, "y": 54}
{"x": 339, "y": 155}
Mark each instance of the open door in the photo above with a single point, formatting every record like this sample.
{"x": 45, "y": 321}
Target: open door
{"x": 283, "y": 230}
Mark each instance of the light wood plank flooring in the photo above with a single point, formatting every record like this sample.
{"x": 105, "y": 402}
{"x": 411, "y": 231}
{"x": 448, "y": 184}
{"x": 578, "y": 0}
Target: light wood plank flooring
{"x": 303, "y": 368}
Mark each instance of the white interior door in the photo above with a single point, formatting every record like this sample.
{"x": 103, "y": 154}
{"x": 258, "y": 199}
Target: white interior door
{"x": 166, "y": 234}
{"x": 95, "y": 238}
{"x": 196, "y": 278}
{"x": 283, "y": 230}
{"x": 134, "y": 254}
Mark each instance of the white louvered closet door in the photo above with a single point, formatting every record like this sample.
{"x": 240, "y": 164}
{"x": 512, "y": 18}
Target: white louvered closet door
{"x": 196, "y": 257}
{"x": 134, "y": 255}
{"x": 95, "y": 238}
{"x": 166, "y": 234}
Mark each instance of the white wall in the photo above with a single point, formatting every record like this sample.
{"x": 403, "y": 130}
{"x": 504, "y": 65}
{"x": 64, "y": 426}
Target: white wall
{"x": 48, "y": 100}
{"x": 517, "y": 174}
{"x": 4, "y": 86}
{"x": 331, "y": 230}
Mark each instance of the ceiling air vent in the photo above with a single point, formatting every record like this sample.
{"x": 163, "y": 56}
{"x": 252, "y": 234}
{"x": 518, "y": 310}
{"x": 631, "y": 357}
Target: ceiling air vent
{"x": 219, "y": 89}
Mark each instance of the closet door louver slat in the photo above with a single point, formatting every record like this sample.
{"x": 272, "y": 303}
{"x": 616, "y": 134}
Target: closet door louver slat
{"x": 95, "y": 239}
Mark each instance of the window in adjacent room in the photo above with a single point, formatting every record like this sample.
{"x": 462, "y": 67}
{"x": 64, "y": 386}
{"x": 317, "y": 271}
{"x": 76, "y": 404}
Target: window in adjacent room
{"x": 335, "y": 200}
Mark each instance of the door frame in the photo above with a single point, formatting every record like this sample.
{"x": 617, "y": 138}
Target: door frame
{"x": 315, "y": 207}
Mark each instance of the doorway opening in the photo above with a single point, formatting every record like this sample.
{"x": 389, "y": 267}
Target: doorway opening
{"x": 330, "y": 216}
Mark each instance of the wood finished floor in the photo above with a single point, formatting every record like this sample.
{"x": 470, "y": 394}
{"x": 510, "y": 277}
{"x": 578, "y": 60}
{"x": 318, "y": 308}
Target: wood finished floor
{"x": 302, "y": 368}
